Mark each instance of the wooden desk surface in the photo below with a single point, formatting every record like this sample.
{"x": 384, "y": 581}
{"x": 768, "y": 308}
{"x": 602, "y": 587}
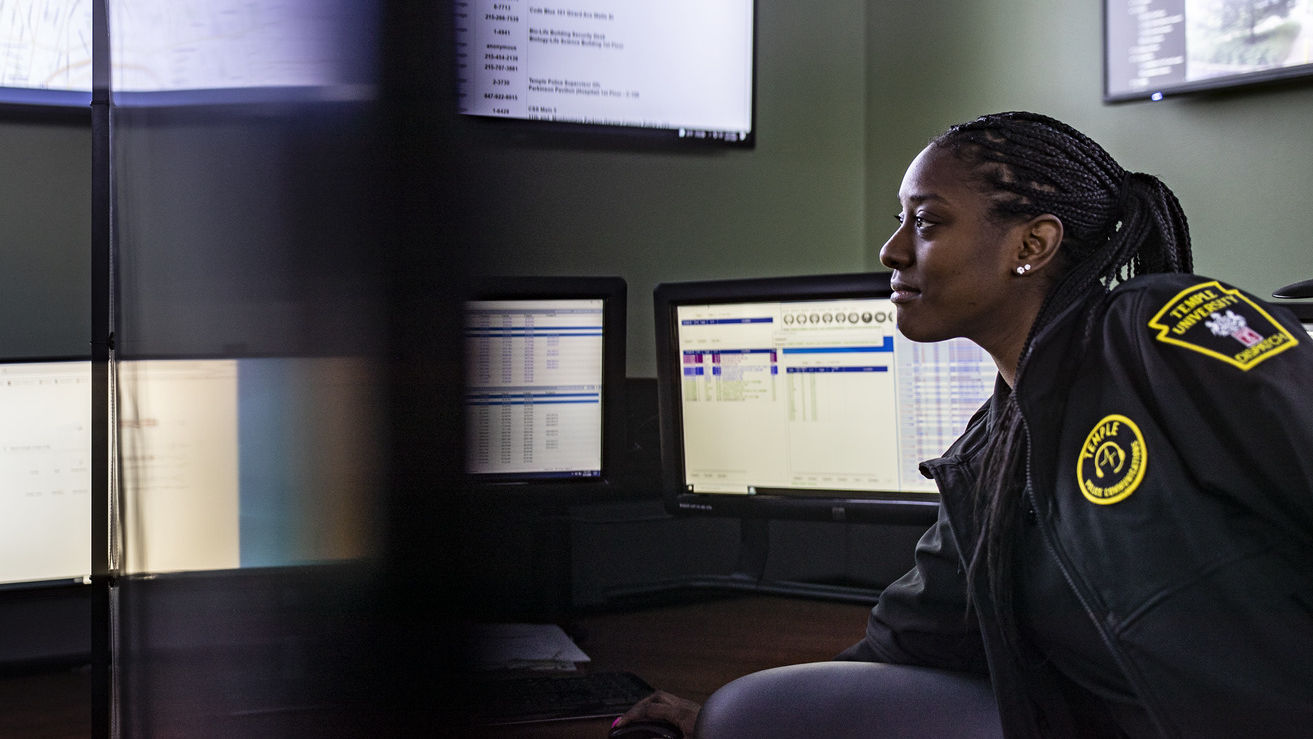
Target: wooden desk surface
{"x": 692, "y": 649}
{"x": 688, "y": 649}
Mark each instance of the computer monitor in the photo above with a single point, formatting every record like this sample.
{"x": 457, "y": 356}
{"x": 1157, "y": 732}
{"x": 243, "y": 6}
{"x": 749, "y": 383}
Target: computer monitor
{"x": 45, "y": 471}
{"x": 796, "y": 397}
{"x": 545, "y": 366}
{"x": 1304, "y": 312}
{"x": 1152, "y": 50}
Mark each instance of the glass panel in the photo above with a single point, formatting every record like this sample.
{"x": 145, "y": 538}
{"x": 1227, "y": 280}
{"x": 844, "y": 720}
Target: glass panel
{"x": 250, "y": 391}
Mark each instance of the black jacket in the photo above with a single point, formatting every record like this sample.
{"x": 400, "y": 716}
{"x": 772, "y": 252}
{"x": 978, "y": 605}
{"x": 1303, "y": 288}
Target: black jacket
{"x": 1170, "y": 472}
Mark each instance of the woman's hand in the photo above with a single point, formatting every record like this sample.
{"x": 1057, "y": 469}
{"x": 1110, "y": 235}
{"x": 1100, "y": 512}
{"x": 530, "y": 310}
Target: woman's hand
{"x": 666, "y": 707}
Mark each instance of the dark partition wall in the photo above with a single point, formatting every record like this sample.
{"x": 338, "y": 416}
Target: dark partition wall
{"x": 285, "y": 376}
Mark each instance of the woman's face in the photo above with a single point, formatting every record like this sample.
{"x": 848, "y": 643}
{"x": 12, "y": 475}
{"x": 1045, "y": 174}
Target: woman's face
{"x": 953, "y": 268}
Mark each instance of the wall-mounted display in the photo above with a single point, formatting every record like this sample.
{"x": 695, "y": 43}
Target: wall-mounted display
{"x": 1155, "y": 48}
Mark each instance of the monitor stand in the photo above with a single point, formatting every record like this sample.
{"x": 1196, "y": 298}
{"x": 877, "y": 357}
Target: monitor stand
{"x": 749, "y": 576}
{"x": 750, "y": 571}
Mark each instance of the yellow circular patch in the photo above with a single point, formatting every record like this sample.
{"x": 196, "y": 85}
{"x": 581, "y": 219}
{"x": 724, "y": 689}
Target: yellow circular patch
{"x": 1112, "y": 460}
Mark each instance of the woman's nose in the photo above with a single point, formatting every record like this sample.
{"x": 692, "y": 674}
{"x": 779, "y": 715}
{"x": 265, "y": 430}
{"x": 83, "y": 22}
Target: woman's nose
{"x": 894, "y": 253}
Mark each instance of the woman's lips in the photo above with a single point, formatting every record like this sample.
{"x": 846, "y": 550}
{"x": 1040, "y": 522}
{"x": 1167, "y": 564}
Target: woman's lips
{"x": 903, "y": 293}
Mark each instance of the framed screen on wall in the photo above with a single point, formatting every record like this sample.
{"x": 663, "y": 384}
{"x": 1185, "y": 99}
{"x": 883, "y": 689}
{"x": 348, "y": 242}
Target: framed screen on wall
{"x": 679, "y": 69}
{"x": 1156, "y": 48}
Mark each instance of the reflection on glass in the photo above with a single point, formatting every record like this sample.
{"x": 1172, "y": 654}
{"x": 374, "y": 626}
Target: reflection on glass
{"x": 229, "y": 463}
{"x": 234, "y": 45}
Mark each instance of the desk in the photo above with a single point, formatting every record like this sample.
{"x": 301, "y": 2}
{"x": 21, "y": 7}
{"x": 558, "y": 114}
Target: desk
{"x": 689, "y": 649}
{"x": 692, "y": 649}
{"x": 53, "y": 704}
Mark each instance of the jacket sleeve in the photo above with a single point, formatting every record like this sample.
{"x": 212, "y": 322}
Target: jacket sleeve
{"x": 1227, "y": 651}
{"x": 923, "y": 617}
{"x": 1242, "y": 419}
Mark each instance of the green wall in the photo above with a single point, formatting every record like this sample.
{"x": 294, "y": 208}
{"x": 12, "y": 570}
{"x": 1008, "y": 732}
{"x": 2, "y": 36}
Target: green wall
{"x": 1240, "y": 162}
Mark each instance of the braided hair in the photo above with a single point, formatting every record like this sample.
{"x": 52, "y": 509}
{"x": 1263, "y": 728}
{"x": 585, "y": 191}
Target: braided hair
{"x": 1116, "y": 224}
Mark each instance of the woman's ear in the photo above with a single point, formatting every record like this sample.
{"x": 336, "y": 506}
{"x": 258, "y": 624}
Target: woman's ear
{"x": 1041, "y": 236}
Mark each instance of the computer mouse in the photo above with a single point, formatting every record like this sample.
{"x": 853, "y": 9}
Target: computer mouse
{"x": 647, "y": 729}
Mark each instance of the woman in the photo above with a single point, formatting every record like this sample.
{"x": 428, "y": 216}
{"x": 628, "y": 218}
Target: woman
{"x": 1126, "y": 536}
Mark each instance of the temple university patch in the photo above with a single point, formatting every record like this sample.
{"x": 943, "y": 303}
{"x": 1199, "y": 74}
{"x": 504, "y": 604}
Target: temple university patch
{"x": 1112, "y": 460}
{"x": 1222, "y": 323}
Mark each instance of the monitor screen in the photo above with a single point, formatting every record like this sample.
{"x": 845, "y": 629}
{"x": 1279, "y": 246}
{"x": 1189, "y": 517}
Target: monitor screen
{"x": 45, "y": 52}
{"x": 1304, "y": 312}
{"x": 229, "y": 463}
{"x": 167, "y": 52}
{"x": 1154, "y": 48}
{"x": 223, "y": 463}
{"x": 179, "y": 52}
{"x": 682, "y": 68}
{"x": 544, "y": 364}
{"x": 797, "y": 397}
{"x": 45, "y": 471}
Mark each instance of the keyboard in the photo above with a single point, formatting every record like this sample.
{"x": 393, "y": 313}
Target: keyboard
{"x": 523, "y": 699}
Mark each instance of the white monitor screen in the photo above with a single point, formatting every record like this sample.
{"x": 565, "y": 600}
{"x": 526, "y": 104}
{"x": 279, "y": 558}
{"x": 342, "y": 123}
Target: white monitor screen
{"x": 45, "y": 471}
{"x": 681, "y": 65}
{"x": 533, "y": 400}
{"x": 820, "y": 395}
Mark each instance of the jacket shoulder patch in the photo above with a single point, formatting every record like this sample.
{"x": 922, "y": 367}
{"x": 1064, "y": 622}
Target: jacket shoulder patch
{"x": 1112, "y": 460}
{"x": 1222, "y": 323}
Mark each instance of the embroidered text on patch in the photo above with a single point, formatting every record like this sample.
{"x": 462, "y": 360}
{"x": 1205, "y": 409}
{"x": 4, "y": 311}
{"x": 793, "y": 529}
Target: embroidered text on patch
{"x": 1222, "y": 323}
{"x": 1112, "y": 461}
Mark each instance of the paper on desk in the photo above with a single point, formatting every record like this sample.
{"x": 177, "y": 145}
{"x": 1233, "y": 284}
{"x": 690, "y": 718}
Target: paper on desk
{"x": 525, "y": 647}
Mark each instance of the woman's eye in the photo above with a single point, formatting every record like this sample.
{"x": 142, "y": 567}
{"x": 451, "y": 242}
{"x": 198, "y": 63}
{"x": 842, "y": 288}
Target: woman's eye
{"x": 918, "y": 222}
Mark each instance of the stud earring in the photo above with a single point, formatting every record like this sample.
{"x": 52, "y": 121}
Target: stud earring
{"x": 1023, "y": 269}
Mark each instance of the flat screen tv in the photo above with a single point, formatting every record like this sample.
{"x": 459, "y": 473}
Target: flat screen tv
{"x": 1156, "y": 48}
{"x": 797, "y": 398}
{"x": 544, "y": 382}
{"x": 675, "y": 69}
